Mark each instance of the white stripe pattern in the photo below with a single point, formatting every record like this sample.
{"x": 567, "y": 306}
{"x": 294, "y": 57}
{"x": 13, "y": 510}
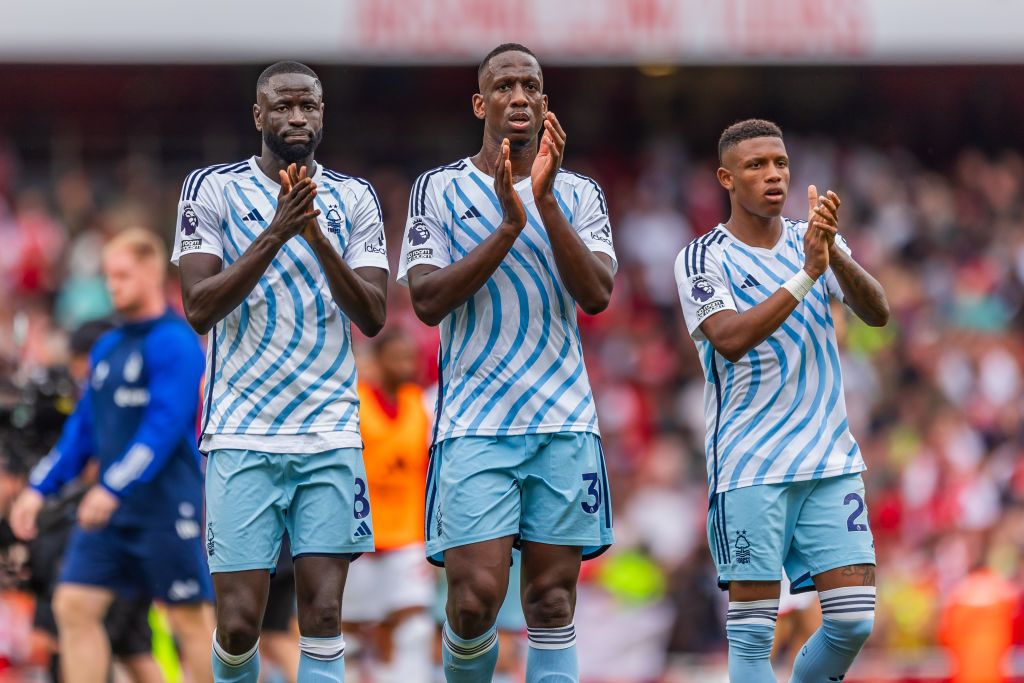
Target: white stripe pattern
{"x": 559, "y": 638}
{"x": 752, "y": 613}
{"x": 853, "y": 603}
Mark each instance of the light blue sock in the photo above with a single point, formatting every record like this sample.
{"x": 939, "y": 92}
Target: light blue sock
{"x": 551, "y": 657}
{"x": 469, "y": 661}
{"x": 229, "y": 668}
{"x": 848, "y": 615}
{"x": 321, "y": 660}
{"x": 750, "y": 627}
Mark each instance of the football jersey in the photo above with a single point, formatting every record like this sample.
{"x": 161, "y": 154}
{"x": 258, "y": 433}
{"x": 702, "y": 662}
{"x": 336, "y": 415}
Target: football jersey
{"x": 395, "y": 455}
{"x": 281, "y": 376}
{"x": 778, "y": 414}
{"x": 511, "y": 361}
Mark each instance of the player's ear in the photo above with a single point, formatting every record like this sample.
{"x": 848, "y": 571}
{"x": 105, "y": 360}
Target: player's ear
{"x": 544, "y": 104}
{"x": 256, "y": 117}
{"x": 725, "y": 178}
{"x": 479, "y": 110}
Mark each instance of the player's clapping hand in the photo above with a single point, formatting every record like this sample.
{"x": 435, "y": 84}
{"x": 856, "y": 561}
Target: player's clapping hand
{"x": 549, "y": 158}
{"x": 311, "y": 229}
{"x": 821, "y": 232}
{"x": 96, "y": 508}
{"x": 513, "y": 213}
{"x": 294, "y": 203}
{"x": 24, "y": 514}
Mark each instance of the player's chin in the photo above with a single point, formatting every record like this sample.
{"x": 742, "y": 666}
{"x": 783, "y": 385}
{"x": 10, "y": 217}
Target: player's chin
{"x": 521, "y": 136}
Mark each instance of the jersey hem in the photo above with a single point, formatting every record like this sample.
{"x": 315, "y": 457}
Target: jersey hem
{"x": 219, "y": 253}
{"x": 578, "y": 427}
{"x": 780, "y": 479}
{"x": 310, "y": 442}
{"x": 369, "y": 263}
{"x": 403, "y": 274}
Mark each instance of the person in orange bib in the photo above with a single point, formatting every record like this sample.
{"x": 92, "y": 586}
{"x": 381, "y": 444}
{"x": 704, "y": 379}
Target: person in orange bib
{"x": 389, "y": 592}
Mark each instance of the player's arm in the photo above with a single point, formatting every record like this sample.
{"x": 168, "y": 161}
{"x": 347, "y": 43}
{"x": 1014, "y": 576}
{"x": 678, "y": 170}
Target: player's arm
{"x": 861, "y": 292}
{"x": 209, "y": 291}
{"x": 734, "y": 334}
{"x": 63, "y": 464}
{"x": 437, "y": 291}
{"x": 360, "y": 292}
{"x": 588, "y": 276}
{"x": 174, "y": 364}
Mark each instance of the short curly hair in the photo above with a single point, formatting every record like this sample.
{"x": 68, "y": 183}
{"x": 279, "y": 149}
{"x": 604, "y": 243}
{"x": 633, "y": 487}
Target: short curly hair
{"x": 746, "y": 130}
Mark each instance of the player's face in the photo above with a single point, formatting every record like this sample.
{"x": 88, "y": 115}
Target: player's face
{"x": 289, "y": 113}
{"x": 756, "y": 173}
{"x": 130, "y": 280}
{"x": 511, "y": 100}
{"x": 398, "y": 361}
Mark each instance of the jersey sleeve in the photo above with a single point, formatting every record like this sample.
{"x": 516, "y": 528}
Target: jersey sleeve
{"x": 703, "y": 287}
{"x": 198, "y": 228}
{"x": 591, "y": 220}
{"x": 174, "y": 363}
{"x": 366, "y": 247}
{"x": 426, "y": 239}
{"x": 834, "y": 290}
{"x": 67, "y": 459}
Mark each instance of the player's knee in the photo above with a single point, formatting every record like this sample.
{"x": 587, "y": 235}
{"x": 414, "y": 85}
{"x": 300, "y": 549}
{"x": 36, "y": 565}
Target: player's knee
{"x": 74, "y": 610}
{"x": 238, "y": 626}
{"x": 473, "y": 603}
{"x": 548, "y": 606}
{"x": 847, "y": 636}
{"x": 321, "y": 617}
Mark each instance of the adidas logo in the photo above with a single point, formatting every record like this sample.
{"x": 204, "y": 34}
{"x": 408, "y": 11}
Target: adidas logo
{"x": 363, "y": 530}
{"x": 253, "y": 215}
{"x": 750, "y": 281}
{"x": 471, "y": 212}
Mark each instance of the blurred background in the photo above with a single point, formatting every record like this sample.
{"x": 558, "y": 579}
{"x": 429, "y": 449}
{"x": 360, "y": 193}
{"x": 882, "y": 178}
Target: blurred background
{"x": 910, "y": 109}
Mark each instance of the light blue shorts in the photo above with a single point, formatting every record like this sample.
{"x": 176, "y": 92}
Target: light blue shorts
{"x": 252, "y": 498}
{"x": 806, "y": 527}
{"x": 547, "y": 488}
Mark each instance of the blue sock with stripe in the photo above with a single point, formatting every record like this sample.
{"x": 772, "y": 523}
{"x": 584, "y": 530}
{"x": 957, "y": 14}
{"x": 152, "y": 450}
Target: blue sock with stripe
{"x": 321, "y": 660}
{"x": 750, "y": 627}
{"x": 229, "y": 668}
{"x": 551, "y": 657}
{"x": 847, "y": 616}
{"x": 469, "y": 661}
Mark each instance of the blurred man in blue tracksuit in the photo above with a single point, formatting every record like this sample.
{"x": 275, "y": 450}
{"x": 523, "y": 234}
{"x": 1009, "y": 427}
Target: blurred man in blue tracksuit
{"x": 139, "y": 529}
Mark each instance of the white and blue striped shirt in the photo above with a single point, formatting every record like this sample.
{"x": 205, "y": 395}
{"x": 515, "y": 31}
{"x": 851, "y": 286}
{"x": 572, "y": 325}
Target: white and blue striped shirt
{"x": 778, "y": 414}
{"x": 511, "y": 361}
{"x": 280, "y": 372}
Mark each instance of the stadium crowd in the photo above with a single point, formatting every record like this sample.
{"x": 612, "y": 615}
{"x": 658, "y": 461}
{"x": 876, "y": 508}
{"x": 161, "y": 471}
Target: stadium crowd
{"x": 935, "y": 398}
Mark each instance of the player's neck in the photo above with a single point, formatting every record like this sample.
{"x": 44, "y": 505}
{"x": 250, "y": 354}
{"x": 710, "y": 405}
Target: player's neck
{"x": 521, "y": 156}
{"x": 270, "y": 164}
{"x": 756, "y": 231}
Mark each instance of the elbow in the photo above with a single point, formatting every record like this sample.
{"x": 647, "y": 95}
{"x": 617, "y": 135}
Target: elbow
{"x": 732, "y": 355}
{"x": 880, "y": 317}
{"x": 426, "y": 312}
{"x": 202, "y": 324}
{"x": 371, "y": 328}
{"x": 596, "y": 303}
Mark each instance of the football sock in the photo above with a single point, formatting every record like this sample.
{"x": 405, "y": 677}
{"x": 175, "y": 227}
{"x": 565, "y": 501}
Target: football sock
{"x": 469, "y": 661}
{"x": 551, "y": 656}
{"x": 750, "y": 627}
{"x": 321, "y": 660}
{"x": 847, "y": 615}
{"x": 229, "y": 668}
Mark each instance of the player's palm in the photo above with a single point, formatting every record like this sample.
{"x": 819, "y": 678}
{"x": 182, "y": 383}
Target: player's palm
{"x": 545, "y": 167}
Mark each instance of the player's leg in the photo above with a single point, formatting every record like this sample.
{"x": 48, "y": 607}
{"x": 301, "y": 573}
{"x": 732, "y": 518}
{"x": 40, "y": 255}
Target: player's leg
{"x": 95, "y": 567}
{"x": 84, "y": 647}
{"x": 473, "y": 514}
{"x": 834, "y": 543}
{"x": 131, "y": 639}
{"x": 325, "y": 486}
{"x": 477, "y": 576}
{"x": 192, "y": 625}
{"x": 279, "y": 641}
{"x": 511, "y": 626}
{"x": 567, "y": 517}
{"x": 244, "y": 525}
{"x": 749, "y": 532}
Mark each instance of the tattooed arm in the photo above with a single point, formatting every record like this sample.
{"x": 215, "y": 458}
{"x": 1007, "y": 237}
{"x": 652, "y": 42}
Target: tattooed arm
{"x": 861, "y": 292}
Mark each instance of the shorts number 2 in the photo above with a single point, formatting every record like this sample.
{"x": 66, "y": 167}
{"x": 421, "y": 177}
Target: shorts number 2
{"x": 851, "y": 523}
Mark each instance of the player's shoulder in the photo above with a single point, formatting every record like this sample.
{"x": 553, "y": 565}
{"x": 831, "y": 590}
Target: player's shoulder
{"x": 207, "y": 177}
{"x": 580, "y": 183}
{"x": 170, "y": 334}
{"x": 434, "y": 182}
{"x": 358, "y": 188}
{"x": 795, "y": 226}
{"x": 695, "y": 257}
{"x": 106, "y": 343}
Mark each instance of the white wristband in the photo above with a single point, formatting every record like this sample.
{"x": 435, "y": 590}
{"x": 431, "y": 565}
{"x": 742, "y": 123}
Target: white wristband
{"x": 799, "y": 285}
